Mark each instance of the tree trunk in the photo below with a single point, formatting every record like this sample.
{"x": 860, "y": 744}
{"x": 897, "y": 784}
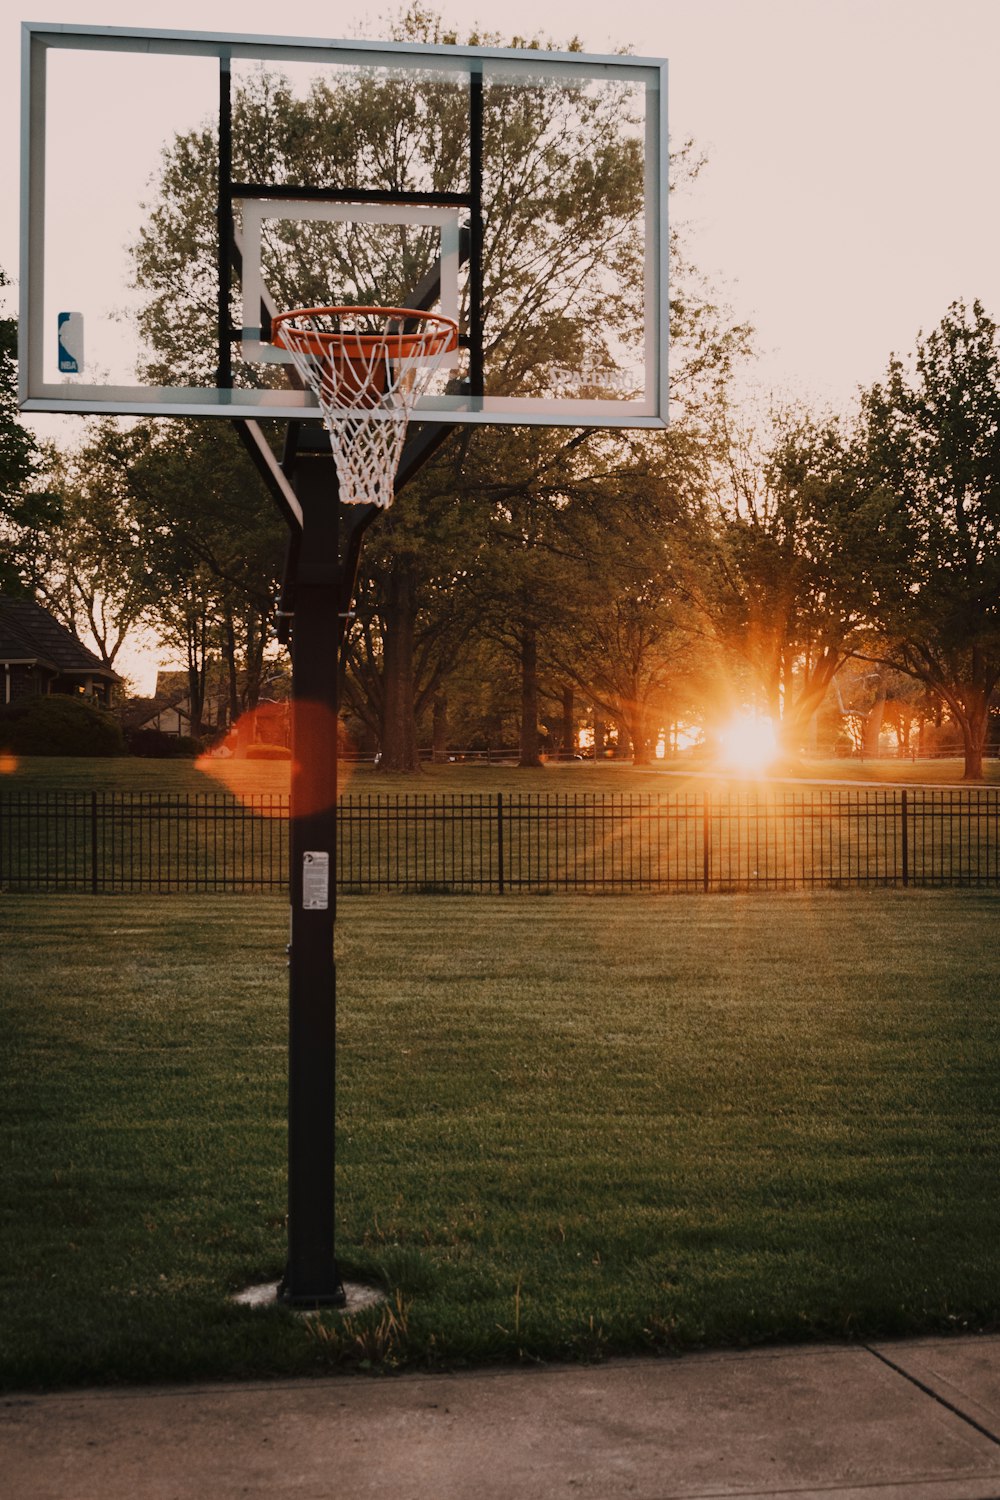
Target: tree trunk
{"x": 256, "y": 640}
{"x": 973, "y": 760}
{"x": 873, "y": 721}
{"x": 246, "y": 729}
{"x": 440, "y": 730}
{"x": 639, "y": 734}
{"x": 600, "y": 735}
{"x": 974, "y": 726}
{"x": 568, "y": 746}
{"x": 197, "y": 630}
{"x": 529, "y": 737}
{"x": 399, "y": 722}
{"x": 633, "y": 722}
{"x": 232, "y": 678}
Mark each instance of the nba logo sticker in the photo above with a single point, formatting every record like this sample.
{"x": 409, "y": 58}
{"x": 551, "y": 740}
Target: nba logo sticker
{"x": 70, "y": 343}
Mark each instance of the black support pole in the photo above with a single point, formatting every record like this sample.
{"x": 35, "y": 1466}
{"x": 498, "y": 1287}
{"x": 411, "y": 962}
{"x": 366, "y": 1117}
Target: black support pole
{"x": 312, "y": 1277}
{"x": 316, "y": 597}
{"x": 224, "y": 211}
{"x": 476, "y": 334}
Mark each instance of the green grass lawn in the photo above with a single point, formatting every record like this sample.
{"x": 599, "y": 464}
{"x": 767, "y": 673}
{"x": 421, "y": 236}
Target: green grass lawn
{"x": 568, "y": 1127}
{"x": 137, "y": 774}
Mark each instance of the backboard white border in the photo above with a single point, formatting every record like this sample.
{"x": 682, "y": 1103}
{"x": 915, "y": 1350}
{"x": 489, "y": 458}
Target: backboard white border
{"x": 36, "y": 395}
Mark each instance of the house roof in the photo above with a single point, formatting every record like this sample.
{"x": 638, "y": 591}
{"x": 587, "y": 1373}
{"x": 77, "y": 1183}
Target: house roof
{"x": 29, "y": 633}
{"x": 137, "y": 712}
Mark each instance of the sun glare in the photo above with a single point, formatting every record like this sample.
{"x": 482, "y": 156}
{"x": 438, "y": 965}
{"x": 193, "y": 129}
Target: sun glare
{"x": 748, "y": 743}
{"x": 8, "y": 763}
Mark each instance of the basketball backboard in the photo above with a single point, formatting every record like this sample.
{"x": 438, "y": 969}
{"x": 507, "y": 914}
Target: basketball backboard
{"x": 179, "y": 189}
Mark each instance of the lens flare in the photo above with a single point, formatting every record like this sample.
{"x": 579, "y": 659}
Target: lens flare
{"x": 254, "y": 762}
{"x": 8, "y": 763}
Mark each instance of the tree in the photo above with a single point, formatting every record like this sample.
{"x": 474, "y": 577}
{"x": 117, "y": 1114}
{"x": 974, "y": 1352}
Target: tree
{"x": 522, "y": 489}
{"x": 212, "y": 527}
{"x": 563, "y": 263}
{"x": 23, "y": 507}
{"x": 622, "y": 634}
{"x": 564, "y": 272}
{"x": 779, "y": 565}
{"x": 931, "y": 433}
{"x": 412, "y": 611}
{"x": 165, "y": 522}
{"x": 87, "y": 565}
{"x": 518, "y": 581}
{"x": 563, "y": 255}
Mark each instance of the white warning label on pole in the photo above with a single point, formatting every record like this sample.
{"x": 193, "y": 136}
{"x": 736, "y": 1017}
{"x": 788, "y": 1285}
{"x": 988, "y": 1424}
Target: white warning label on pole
{"x": 315, "y": 880}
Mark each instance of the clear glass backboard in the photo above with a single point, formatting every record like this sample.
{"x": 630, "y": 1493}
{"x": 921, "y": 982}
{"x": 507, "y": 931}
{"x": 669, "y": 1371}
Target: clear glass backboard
{"x": 180, "y": 189}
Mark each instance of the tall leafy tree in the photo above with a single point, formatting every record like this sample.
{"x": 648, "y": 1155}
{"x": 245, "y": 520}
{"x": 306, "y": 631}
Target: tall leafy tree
{"x": 614, "y": 626}
{"x": 192, "y": 489}
{"x": 563, "y": 190}
{"x": 413, "y": 610}
{"x": 564, "y": 273}
{"x": 87, "y": 565}
{"x": 780, "y": 565}
{"x": 578, "y": 586}
{"x": 521, "y": 577}
{"x": 181, "y": 529}
{"x": 25, "y": 503}
{"x": 932, "y": 446}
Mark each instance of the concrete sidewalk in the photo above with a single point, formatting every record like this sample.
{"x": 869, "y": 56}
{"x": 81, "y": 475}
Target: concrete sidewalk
{"x": 918, "y": 1419}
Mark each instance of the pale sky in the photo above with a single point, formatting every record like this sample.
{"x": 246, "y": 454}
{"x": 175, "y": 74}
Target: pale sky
{"x": 852, "y": 186}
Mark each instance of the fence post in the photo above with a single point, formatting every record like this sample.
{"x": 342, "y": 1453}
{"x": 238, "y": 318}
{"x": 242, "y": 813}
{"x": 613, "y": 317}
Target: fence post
{"x": 705, "y": 858}
{"x": 906, "y": 838}
{"x": 93, "y": 843}
{"x": 500, "y": 876}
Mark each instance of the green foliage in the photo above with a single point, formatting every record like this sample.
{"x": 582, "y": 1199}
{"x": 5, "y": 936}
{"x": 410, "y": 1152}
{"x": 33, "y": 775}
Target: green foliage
{"x": 182, "y": 532}
{"x": 564, "y": 271}
{"x": 931, "y": 435}
{"x": 563, "y": 193}
{"x": 58, "y": 725}
{"x": 22, "y": 507}
{"x": 780, "y": 563}
{"x": 87, "y": 562}
{"x": 156, "y": 744}
{"x": 18, "y": 452}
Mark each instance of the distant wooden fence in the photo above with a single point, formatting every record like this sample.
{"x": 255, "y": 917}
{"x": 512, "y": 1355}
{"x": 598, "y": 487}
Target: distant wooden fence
{"x": 777, "y": 839}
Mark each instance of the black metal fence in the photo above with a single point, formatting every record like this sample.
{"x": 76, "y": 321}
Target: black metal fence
{"x": 777, "y": 839}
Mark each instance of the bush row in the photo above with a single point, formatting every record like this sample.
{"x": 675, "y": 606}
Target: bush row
{"x": 61, "y": 725}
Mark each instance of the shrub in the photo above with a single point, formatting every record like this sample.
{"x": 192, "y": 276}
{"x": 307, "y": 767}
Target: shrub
{"x": 942, "y": 739}
{"x": 59, "y": 725}
{"x": 268, "y": 752}
{"x": 157, "y": 744}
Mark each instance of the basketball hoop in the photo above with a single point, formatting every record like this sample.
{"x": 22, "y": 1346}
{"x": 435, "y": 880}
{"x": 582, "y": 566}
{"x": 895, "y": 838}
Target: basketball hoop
{"x": 366, "y": 367}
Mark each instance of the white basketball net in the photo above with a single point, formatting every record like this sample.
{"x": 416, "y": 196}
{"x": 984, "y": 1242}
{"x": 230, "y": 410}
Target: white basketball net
{"x": 366, "y": 367}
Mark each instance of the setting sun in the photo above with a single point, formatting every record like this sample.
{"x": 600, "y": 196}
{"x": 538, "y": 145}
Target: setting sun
{"x": 748, "y": 743}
